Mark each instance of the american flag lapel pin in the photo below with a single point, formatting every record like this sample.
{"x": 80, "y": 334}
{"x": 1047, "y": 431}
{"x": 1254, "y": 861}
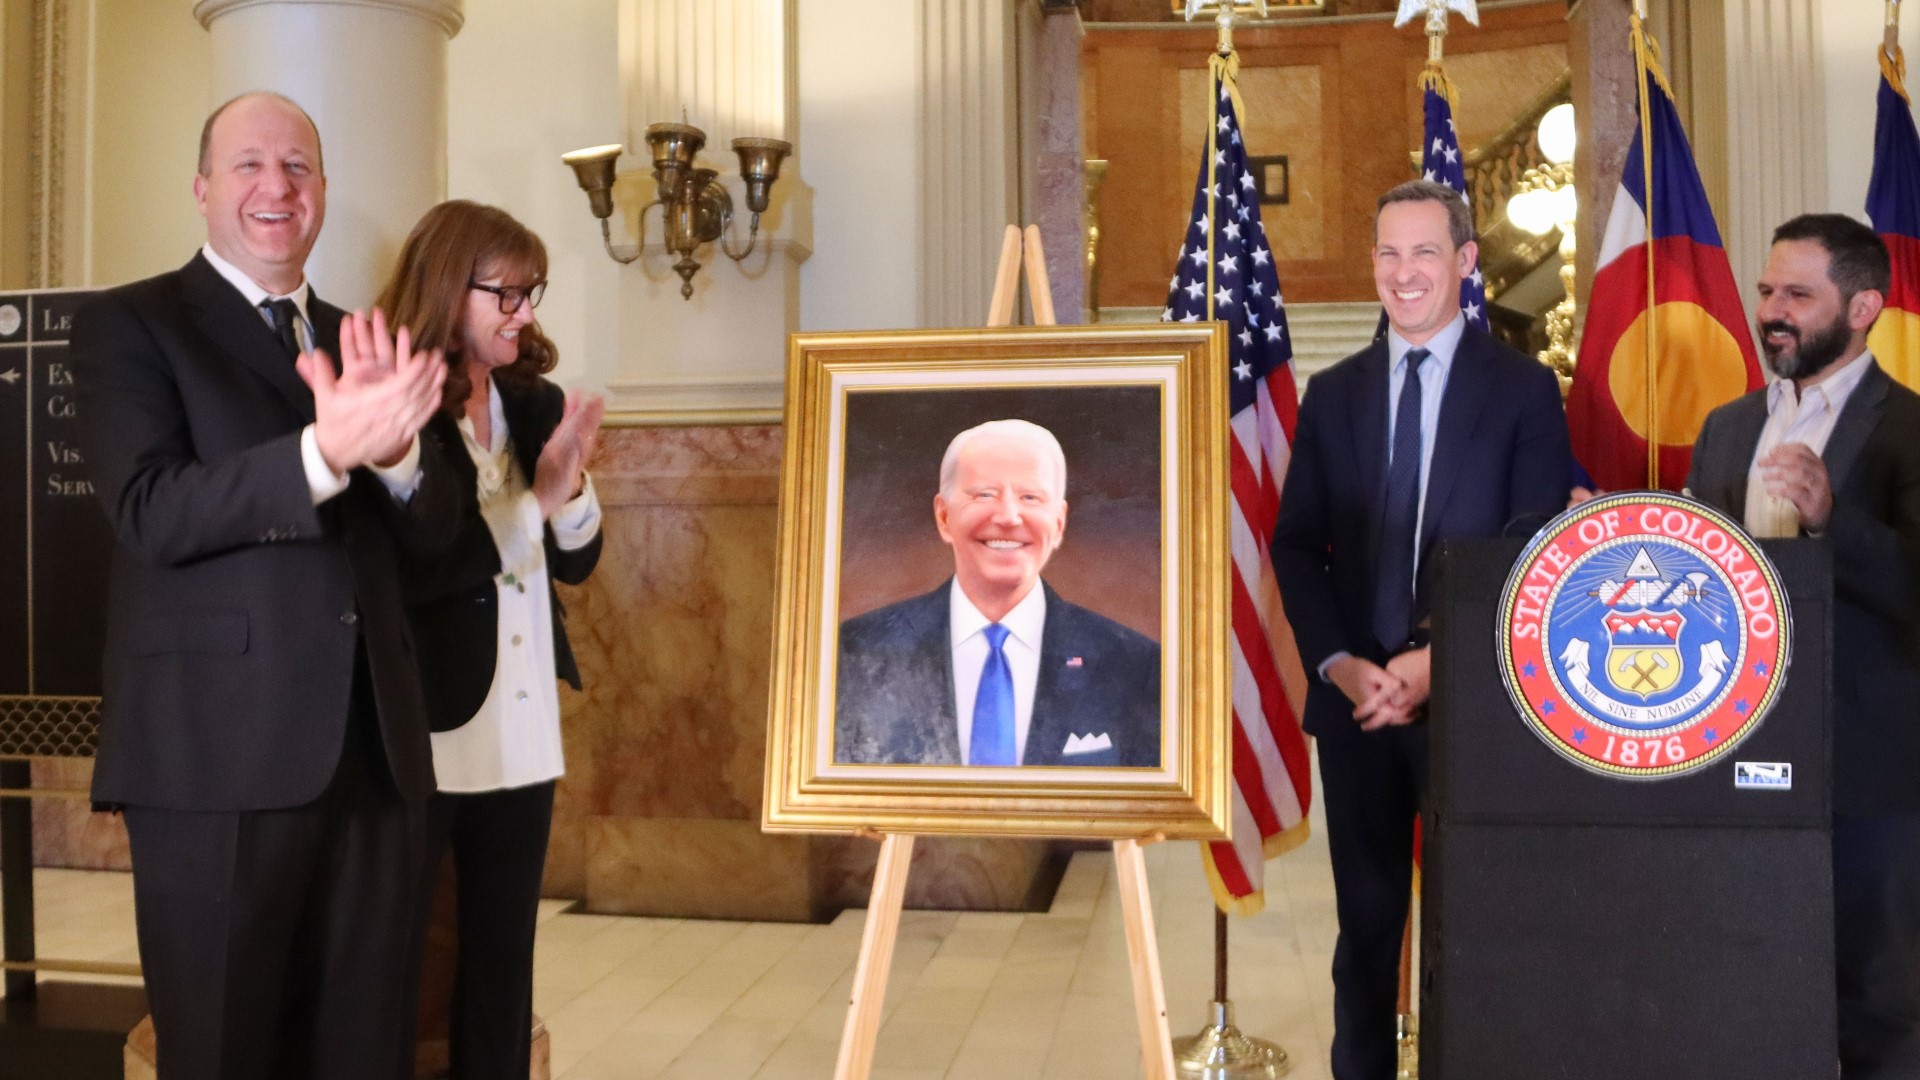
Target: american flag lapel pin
{"x": 1074, "y": 661}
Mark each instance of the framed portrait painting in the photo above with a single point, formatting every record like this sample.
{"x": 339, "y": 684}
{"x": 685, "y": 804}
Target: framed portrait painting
{"x": 1002, "y": 598}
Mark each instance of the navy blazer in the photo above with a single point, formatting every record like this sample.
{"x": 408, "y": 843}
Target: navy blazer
{"x": 237, "y": 606}
{"x": 1501, "y": 455}
{"x": 1873, "y": 466}
{"x": 894, "y": 699}
{"x": 452, "y": 599}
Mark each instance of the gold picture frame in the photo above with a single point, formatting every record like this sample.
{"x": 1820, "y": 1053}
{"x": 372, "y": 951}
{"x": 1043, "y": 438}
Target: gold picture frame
{"x": 1140, "y": 413}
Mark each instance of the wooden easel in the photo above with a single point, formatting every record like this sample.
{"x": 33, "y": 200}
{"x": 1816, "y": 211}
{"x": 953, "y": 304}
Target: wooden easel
{"x": 896, "y": 849}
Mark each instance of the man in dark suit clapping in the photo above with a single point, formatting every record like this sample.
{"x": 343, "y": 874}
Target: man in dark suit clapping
{"x": 263, "y": 726}
{"x": 1437, "y": 432}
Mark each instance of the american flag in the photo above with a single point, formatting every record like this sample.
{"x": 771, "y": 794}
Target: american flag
{"x": 1441, "y": 161}
{"x": 1226, "y": 272}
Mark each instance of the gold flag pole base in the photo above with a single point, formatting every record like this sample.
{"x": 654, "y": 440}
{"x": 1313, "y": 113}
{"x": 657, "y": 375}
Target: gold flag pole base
{"x": 1406, "y": 1039}
{"x": 1221, "y": 1052}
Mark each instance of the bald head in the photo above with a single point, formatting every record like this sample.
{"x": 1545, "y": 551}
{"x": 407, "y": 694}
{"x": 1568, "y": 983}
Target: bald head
{"x": 261, "y": 189}
{"x": 206, "y": 129}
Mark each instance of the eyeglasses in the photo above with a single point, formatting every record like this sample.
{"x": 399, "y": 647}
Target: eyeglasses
{"x": 512, "y": 296}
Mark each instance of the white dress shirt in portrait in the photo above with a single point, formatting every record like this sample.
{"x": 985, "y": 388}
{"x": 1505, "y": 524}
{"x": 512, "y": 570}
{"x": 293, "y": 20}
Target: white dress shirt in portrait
{"x": 967, "y": 632}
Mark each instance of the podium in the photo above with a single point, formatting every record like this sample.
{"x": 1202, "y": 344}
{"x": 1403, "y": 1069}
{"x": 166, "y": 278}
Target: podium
{"x": 1589, "y": 927}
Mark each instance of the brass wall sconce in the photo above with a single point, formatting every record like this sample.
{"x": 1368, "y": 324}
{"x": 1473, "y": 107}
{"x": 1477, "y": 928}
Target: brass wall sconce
{"x": 695, "y": 207}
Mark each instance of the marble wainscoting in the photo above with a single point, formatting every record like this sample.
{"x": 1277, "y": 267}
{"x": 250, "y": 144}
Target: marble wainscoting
{"x": 659, "y": 813}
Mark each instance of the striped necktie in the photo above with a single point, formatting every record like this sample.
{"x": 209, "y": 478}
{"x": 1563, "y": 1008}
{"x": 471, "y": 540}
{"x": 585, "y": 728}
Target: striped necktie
{"x": 281, "y": 315}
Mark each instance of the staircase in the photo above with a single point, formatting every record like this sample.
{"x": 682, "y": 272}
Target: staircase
{"x": 1321, "y": 333}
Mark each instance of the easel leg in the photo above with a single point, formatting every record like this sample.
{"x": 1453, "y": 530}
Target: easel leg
{"x": 1006, "y": 280}
{"x": 1143, "y": 949}
{"x": 876, "y": 956}
{"x": 1021, "y": 247}
{"x": 1039, "y": 286}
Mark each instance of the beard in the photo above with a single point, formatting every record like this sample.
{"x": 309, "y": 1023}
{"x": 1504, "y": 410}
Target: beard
{"x": 1810, "y": 353}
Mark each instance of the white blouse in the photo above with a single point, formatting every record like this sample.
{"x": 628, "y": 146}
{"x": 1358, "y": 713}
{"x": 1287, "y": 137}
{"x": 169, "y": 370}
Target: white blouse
{"x": 514, "y": 739}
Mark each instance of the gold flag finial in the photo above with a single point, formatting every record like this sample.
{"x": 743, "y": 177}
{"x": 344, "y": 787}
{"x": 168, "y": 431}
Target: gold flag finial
{"x": 1436, "y": 14}
{"x": 1224, "y": 14}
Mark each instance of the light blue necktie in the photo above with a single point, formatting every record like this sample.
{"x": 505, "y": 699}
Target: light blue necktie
{"x": 992, "y": 740}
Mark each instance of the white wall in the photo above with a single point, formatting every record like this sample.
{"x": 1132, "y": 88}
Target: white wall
{"x": 150, "y": 85}
{"x": 857, "y": 149}
{"x": 1850, "y": 37}
{"x": 526, "y": 84}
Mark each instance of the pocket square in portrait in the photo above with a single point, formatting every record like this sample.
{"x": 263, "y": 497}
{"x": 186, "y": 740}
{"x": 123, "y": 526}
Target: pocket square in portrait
{"x": 1086, "y": 744}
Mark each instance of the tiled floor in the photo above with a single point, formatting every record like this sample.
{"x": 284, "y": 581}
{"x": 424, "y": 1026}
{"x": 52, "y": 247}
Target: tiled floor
{"x": 970, "y": 995}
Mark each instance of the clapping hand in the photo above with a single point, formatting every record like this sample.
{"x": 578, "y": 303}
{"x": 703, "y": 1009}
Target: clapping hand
{"x": 384, "y": 393}
{"x": 560, "y": 472}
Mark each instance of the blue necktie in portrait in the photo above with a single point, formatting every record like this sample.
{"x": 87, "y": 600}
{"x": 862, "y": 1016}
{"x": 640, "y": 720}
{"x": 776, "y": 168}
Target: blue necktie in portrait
{"x": 991, "y": 742}
{"x": 1393, "y": 604}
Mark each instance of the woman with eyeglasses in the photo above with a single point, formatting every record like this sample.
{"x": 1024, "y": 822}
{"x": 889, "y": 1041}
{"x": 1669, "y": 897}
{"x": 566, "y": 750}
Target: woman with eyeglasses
{"x": 487, "y": 625}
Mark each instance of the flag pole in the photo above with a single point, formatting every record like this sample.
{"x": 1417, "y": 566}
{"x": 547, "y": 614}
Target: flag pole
{"x": 1893, "y": 61}
{"x": 1406, "y": 1033}
{"x": 1217, "y": 72}
{"x": 1640, "y": 65}
{"x": 1220, "y": 1051}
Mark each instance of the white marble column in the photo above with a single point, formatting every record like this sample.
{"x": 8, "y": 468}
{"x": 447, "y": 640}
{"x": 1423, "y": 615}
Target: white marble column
{"x": 726, "y": 67}
{"x": 373, "y": 75}
{"x": 969, "y": 145}
{"x": 1775, "y": 125}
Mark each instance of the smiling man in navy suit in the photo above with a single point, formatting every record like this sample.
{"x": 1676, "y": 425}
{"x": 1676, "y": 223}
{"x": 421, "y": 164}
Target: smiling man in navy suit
{"x": 1435, "y": 432}
{"x": 993, "y": 667}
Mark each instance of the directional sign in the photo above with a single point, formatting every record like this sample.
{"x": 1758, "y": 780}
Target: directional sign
{"x": 55, "y": 545}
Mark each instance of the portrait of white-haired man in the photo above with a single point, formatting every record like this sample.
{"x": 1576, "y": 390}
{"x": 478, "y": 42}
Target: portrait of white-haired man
{"x": 993, "y": 667}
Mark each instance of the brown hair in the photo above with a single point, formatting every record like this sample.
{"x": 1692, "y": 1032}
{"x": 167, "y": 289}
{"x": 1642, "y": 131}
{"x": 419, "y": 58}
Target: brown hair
{"x": 1459, "y": 214}
{"x": 457, "y": 243}
{"x": 1859, "y": 259}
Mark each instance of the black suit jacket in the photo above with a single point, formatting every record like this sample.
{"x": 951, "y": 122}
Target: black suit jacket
{"x": 1873, "y": 465}
{"x": 237, "y": 606}
{"x": 451, "y": 596}
{"x": 1500, "y": 454}
{"x": 893, "y": 702}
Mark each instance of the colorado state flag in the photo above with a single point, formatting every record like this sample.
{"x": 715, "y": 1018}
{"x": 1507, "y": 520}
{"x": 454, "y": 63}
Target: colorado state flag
{"x": 1893, "y": 205}
{"x": 1656, "y": 358}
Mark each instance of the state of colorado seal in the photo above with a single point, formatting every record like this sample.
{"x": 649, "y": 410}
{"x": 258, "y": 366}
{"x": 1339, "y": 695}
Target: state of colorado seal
{"x": 1644, "y": 635}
